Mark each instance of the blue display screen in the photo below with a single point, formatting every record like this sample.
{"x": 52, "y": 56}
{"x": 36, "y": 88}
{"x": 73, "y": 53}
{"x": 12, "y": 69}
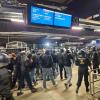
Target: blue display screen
{"x": 41, "y": 16}
{"x": 63, "y": 20}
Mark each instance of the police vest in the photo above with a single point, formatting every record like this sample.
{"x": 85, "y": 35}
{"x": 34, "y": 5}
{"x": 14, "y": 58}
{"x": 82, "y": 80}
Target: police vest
{"x": 82, "y": 61}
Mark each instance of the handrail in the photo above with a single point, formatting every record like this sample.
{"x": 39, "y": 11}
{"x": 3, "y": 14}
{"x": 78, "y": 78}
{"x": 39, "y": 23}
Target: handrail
{"x": 92, "y": 82}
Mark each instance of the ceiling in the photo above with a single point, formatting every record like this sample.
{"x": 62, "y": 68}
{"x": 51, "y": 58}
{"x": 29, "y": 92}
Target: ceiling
{"x": 10, "y": 31}
{"x": 79, "y": 8}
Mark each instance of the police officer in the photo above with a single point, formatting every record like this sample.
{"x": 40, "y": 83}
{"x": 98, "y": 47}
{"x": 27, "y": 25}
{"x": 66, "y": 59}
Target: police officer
{"x": 83, "y": 63}
{"x": 5, "y": 87}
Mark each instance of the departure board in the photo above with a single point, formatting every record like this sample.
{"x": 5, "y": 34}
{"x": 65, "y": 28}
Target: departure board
{"x": 41, "y": 16}
{"x": 62, "y": 19}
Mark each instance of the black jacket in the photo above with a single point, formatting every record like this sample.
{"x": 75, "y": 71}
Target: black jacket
{"x": 67, "y": 59}
{"x": 60, "y": 59}
{"x": 47, "y": 61}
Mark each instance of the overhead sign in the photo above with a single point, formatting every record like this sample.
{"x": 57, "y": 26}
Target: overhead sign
{"x": 61, "y": 19}
{"x": 42, "y": 16}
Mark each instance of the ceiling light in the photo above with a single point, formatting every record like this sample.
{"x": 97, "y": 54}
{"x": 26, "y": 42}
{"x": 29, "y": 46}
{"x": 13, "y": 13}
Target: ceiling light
{"x": 97, "y": 30}
{"x": 47, "y": 44}
{"x": 77, "y": 28}
{"x": 20, "y": 13}
{"x": 17, "y": 20}
{"x": 56, "y": 38}
{"x": 82, "y": 38}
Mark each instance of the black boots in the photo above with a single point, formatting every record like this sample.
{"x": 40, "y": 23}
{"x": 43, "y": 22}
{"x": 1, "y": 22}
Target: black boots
{"x": 87, "y": 89}
{"x": 77, "y": 89}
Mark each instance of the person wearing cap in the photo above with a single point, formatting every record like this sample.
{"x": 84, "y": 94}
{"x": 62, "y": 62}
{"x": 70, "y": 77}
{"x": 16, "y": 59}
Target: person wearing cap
{"x": 68, "y": 61}
{"x": 83, "y": 62}
{"x": 5, "y": 87}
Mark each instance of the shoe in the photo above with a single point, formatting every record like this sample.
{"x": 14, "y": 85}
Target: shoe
{"x": 19, "y": 93}
{"x": 34, "y": 90}
{"x": 70, "y": 84}
{"x": 87, "y": 90}
{"x": 77, "y": 90}
{"x": 66, "y": 85}
{"x": 61, "y": 79}
{"x": 55, "y": 85}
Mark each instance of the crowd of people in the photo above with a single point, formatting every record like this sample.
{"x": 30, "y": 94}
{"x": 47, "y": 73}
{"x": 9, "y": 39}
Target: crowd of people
{"x": 26, "y": 68}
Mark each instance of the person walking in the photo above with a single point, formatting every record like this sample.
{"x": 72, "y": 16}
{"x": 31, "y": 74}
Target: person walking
{"x": 47, "y": 64}
{"x": 61, "y": 64}
{"x": 83, "y": 62}
{"x": 68, "y": 61}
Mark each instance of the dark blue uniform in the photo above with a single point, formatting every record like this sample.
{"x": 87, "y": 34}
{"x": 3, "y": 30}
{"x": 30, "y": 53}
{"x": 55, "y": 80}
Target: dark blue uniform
{"x": 83, "y": 63}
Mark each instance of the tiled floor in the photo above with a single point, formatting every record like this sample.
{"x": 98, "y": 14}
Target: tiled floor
{"x": 58, "y": 93}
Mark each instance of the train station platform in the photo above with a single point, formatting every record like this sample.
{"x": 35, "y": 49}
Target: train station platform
{"x": 56, "y": 93}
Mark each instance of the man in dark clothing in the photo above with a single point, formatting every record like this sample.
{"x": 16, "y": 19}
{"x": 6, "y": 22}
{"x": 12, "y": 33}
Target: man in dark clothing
{"x": 83, "y": 63}
{"x": 11, "y": 65}
{"x": 95, "y": 60}
{"x": 55, "y": 65}
{"x": 5, "y": 87}
{"x": 22, "y": 71}
{"x": 28, "y": 66}
{"x": 61, "y": 64}
{"x": 17, "y": 73}
{"x": 68, "y": 61}
{"x": 34, "y": 67}
{"x": 47, "y": 64}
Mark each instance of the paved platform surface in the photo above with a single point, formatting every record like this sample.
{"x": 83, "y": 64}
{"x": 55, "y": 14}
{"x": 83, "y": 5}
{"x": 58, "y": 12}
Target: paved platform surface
{"x": 56, "y": 93}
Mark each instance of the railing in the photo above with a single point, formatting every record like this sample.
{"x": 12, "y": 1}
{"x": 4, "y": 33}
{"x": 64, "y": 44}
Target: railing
{"x": 94, "y": 80}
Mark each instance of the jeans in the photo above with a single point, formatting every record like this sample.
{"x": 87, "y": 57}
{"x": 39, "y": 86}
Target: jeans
{"x": 47, "y": 72}
{"x": 32, "y": 75}
{"x": 28, "y": 79}
{"x": 55, "y": 69}
{"x": 61, "y": 68}
{"x": 68, "y": 74}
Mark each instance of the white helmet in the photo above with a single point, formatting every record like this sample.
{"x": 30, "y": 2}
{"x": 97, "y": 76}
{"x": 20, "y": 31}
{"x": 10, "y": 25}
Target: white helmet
{"x": 4, "y": 60}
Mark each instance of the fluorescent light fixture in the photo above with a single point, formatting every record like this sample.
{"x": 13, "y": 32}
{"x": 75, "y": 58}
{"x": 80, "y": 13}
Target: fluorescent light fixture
{"x": 97, "y": 30}
{"x": 56, "y": 38}
{"x": 17, "y": 20}
{"x": 82, "y": 38}
{"x": 13, "y": 13}
{"x": 77, "y": 28}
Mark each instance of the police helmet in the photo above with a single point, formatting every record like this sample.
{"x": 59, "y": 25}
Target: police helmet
{"x": 4, "y": 60}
